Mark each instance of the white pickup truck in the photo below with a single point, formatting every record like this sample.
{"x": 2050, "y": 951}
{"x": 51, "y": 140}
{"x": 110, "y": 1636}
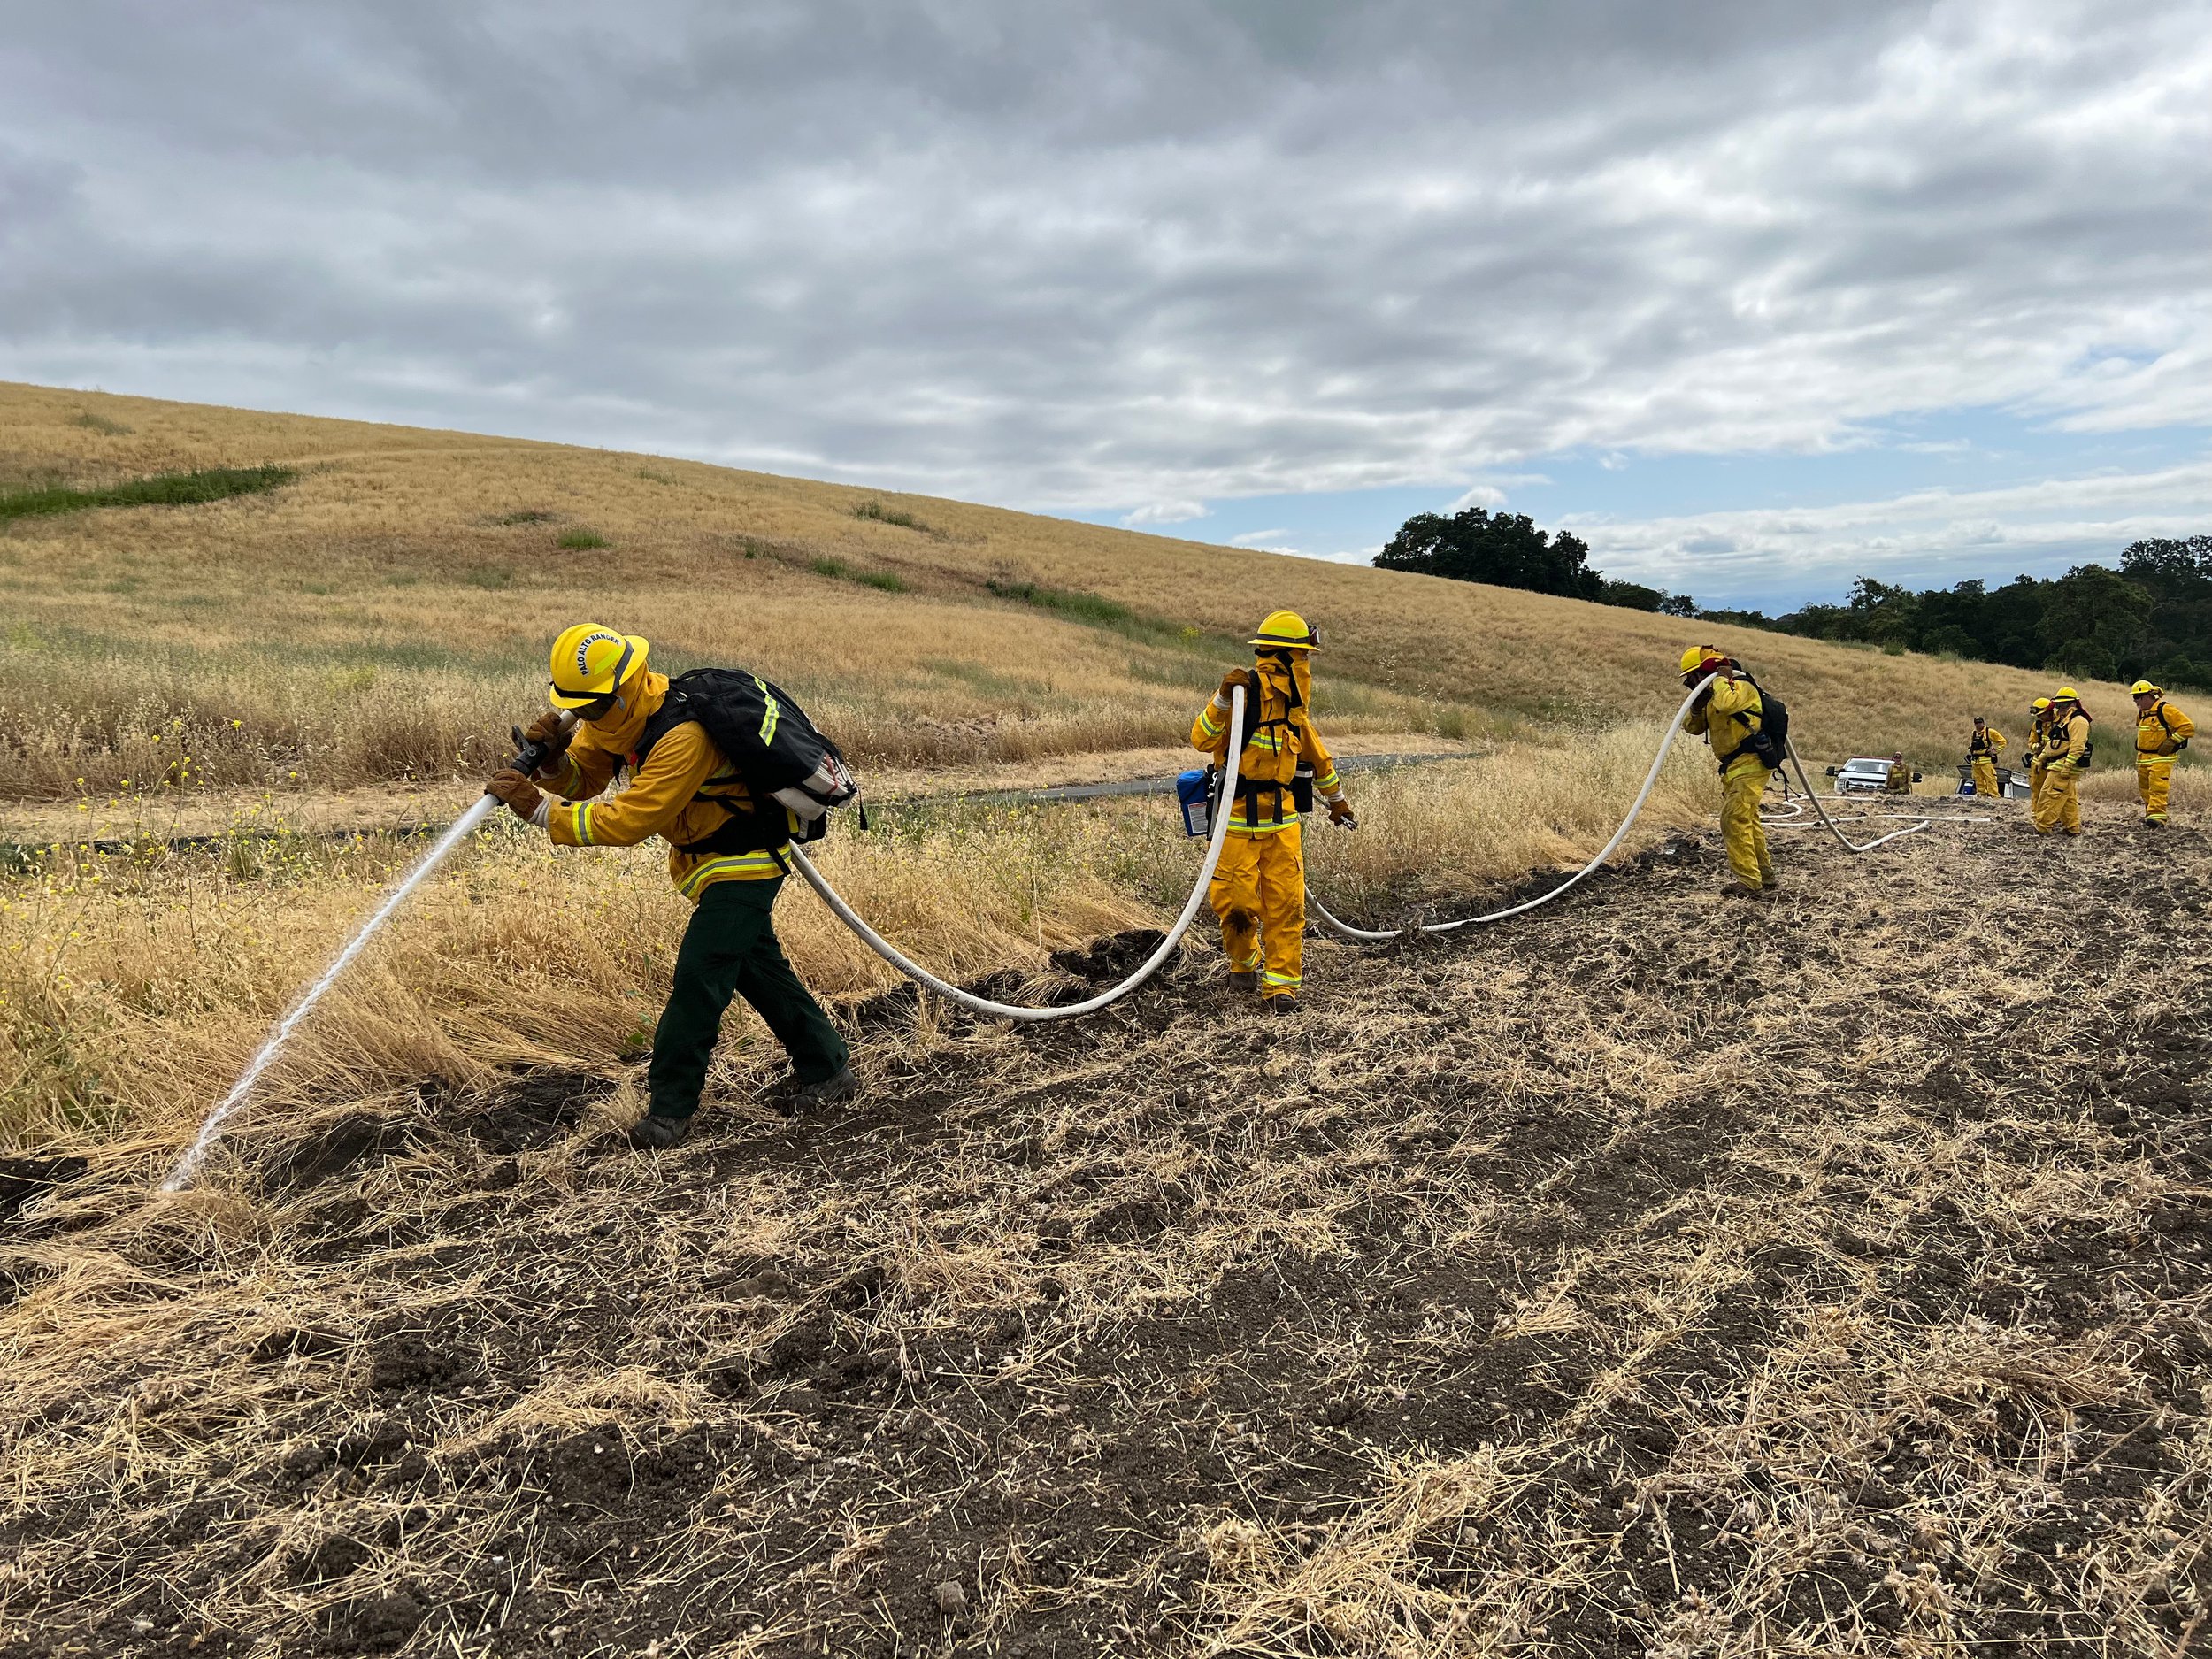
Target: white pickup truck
{"x": 1869, "y": 774}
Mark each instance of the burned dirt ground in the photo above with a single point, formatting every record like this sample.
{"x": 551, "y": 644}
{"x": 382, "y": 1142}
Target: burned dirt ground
{"x": 1658, "y": 1274}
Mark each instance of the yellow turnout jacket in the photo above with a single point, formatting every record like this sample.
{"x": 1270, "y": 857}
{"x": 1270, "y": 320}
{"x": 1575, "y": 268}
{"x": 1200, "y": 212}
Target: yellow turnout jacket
{"x": 2163, "y": 731}
{"x": 1281, "y": 735}
{"x": 2068, "y": 739}
{"x": 1726, "y": 716}
{"x": 684, "y": 791}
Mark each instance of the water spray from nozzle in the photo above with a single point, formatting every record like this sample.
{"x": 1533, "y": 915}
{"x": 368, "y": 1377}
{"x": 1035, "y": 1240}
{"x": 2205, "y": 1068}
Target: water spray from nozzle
{"x": 529, "y": 757}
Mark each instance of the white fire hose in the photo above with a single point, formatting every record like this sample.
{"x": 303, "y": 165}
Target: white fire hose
{"x": 922, "y": 976}
{"x": 1329, "y": 923}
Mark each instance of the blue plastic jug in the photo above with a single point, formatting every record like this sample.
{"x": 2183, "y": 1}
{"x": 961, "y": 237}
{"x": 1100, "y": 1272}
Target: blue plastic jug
{"x": 1194, "y": 792}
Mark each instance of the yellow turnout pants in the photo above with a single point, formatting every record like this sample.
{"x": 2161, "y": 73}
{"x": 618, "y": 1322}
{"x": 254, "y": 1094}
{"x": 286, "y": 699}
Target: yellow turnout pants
{"x": 2060, "y": 808}
{"x": 1984, "y": 775}
{"x": 1259, "y": 892}
{"x": 2153, "y": 777}
{"x": 1740, "y": 831}
{"x": 2038, "y": 779}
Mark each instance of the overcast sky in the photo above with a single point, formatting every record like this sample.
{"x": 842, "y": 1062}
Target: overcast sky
{"x": 1757, "y": 296}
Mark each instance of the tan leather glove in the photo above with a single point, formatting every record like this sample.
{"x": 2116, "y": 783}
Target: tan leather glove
{"x": 1236, "y": 680}
{"x": 549, "y": 729}
{"x": 1340, "y": 813}
{"x": 520, "y": 795}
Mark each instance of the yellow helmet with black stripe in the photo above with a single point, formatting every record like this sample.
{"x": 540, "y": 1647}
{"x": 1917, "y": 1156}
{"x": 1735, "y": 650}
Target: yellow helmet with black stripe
{"x": 1286, "y": 630}
{"x": 590, "y": 662}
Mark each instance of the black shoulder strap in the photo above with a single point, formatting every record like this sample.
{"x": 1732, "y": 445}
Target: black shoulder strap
{"x": 673, "y": 713}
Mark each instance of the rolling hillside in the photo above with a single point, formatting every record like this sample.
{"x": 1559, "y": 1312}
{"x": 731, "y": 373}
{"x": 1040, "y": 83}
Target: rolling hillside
{"x": 382, "y": 614}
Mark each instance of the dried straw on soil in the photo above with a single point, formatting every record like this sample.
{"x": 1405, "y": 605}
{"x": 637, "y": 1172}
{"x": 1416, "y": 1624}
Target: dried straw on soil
{"x": 1660, "y": 1276}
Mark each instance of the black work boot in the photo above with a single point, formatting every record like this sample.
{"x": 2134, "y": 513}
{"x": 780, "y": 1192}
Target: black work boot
{"x": 1280, "y": 1004}
{"x": 657, "y": 1133}
{"x": 1244, "y": 978}
{"x": 830, "y": 1091}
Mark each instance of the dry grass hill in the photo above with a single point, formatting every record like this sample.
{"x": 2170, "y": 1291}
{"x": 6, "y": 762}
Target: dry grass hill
{"x": 1654, "y": 1275}
{"x": 384, "y": 615}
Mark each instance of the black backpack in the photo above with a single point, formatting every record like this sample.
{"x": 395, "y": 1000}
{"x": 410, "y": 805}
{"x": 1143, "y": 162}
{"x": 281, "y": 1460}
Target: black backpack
{"x": 763, "y": 733}
{"x": 1771, "y": 742}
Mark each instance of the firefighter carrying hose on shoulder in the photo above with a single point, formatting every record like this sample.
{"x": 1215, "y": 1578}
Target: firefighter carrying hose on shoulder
{"x": 727, "y": 854}
{"x": 1729, "y": 716}
{"x": 2162, "y": 732}
{"x": 2066, "y": 753}
{"x": 1982, "y": 750}
{"x": 2038, "y": 752}
{"x": 1259, "y": 886}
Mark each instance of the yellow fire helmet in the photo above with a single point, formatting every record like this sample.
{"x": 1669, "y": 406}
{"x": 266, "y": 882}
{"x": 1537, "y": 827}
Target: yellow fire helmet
{"x": 589, "y": 661}
{"x": 2065, "y": 694}
{"x": 1286, "y": 630}
{"x": 1698, "y": 655}
{"x": 2143, "y": 688}
{"x": 2041, "y": 703}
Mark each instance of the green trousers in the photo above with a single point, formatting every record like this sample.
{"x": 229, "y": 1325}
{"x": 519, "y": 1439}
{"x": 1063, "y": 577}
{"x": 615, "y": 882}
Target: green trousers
{"x": 730, "y": 949}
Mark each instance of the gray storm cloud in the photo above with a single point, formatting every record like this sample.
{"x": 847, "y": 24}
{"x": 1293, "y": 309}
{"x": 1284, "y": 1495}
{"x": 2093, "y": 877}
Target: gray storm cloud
{"x": 1121, "y": 253}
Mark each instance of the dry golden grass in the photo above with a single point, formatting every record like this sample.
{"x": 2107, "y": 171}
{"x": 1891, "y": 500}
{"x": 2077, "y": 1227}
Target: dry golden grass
{"x": 132, "y": 984}
{"x": 1647, "y": 1277}
{"x": 386, "y": 616}
{"x": 1543, "y": 1292}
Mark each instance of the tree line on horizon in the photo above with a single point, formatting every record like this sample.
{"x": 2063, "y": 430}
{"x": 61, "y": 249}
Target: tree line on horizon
{"x": 2151, "y": 617}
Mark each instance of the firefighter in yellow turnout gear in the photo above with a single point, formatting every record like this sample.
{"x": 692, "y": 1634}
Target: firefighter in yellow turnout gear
{"x": 1726, "y": 716}
{"x": 1982, "y": 750}
{"x": 2038, "y": 752}
{"x": 725, "y": 856}
{"x": 2162, "y": 732}
{"x": 2065, "y": 752}
{"x": 1259, "y": 886}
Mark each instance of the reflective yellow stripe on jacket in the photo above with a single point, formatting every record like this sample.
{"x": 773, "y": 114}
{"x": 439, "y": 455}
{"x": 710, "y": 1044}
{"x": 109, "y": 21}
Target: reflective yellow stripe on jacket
{"x": 2151, "y": 740}
{"x": 684, "y": 793}
{"x": 727, "y": 867}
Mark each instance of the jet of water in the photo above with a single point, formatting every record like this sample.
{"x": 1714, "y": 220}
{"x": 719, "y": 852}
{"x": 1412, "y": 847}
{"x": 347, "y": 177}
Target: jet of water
{"x": 188, "y": 1165}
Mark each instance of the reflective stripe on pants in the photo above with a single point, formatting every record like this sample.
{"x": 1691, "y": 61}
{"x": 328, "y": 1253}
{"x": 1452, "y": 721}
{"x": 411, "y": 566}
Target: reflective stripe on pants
{"x": 1259, "y": 893}
{"x": 1745, "y": 836}
{"x": 2154, "y": 778}
{"x": 2060, "y": 808}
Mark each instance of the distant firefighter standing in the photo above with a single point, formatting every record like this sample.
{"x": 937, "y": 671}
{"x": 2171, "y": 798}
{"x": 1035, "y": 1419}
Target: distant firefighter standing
{"x": 1982, "y": 750}
{"x": 2038, "y": 752}
{"x": 1259, "y": 888}
{"x": 2066, "y": 755}
{"x": 2162, "y": 732}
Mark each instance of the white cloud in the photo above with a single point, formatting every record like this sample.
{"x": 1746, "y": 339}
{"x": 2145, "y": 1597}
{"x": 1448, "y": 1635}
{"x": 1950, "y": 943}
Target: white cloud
{"x": 1929, "y": 537}
{"x": 1141, "y": 251}
{"x": 1166, "y": 512}
{"x": 1481, "y": 496}
{"x": 1258, "y": 538}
